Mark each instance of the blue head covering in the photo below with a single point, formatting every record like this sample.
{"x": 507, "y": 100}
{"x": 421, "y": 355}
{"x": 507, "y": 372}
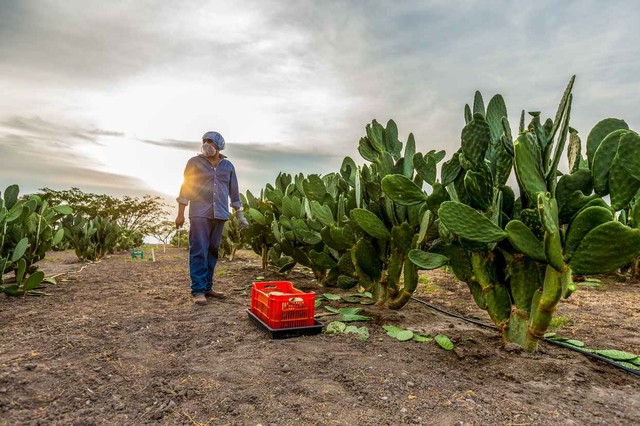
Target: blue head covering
{"x": 217, "y": 139}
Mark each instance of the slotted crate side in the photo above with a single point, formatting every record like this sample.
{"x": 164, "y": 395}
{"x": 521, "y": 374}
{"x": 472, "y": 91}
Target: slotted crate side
{"x": 289, "y": 308}
{"x": 260, "y": 292}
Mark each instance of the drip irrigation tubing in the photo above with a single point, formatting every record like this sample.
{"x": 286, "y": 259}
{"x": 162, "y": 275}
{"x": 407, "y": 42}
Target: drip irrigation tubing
{"x": 553, "y": 342}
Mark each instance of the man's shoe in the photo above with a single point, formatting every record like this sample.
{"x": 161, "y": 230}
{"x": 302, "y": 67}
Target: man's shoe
{"x": 215, "y": 294}
{"x": 199, "y": 299}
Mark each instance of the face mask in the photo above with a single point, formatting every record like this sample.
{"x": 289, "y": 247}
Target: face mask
{"x": 208, "y": 150}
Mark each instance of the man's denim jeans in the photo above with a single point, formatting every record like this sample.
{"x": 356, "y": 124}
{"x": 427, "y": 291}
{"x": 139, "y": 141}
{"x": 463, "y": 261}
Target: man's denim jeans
{"x": 204, "y": 240}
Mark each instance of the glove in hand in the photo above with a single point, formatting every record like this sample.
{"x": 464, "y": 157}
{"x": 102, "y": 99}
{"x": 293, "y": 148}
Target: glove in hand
{"x": 242, "y": 221}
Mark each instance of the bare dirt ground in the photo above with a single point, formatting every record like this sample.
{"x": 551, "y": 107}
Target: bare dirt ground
{"x": 120, "y": 343}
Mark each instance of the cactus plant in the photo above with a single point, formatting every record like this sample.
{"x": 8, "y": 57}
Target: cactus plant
{"x": 232, "y": 238}
{"x": 26, "y": 234}
{"x": 387, "y": 231}
{"x": 302, "y": 220}
{"x": 517, "y": 255}
{"x": 343, "y": 226}
{"x": 259, "y": 215}
{"x": 93, "y": 238}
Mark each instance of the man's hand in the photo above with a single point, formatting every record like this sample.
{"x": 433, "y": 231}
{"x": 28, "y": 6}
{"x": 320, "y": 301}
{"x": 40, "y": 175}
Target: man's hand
{"x": 242, "y": 221}
{"x": 179, "y": 221}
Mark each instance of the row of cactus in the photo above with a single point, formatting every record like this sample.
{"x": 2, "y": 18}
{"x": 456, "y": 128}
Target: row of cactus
{"x": 515, "y": 247}
{"x": 517, "y": 255}
{"x": 26, "y": 234}
{"x": 93, "y": 238}
{"x": 288, "y": 220}
{"x": 343, "y": 226}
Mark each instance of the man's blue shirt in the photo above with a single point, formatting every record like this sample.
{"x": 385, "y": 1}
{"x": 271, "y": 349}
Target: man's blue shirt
{"x": 207, "y": 188}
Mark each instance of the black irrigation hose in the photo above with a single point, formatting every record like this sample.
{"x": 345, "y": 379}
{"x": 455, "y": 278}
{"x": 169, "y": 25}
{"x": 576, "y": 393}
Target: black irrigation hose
{"x": 554, "y": 342}
{"x": 592, "y": 355}
{"x": 451, "y": 314}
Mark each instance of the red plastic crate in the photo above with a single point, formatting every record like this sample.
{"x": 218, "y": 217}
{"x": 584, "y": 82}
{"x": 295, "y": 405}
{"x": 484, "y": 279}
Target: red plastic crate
{"x": 293, "y": 308}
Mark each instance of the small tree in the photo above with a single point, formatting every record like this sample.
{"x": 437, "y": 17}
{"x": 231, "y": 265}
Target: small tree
{"x": 164, "y": 231}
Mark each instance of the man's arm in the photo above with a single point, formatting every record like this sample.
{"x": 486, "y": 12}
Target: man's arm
{"x": 234, "y": 191}
{"x": 180, "y": 217}
{"x": 236, "y": 203}
{"x": 185, "y": 193}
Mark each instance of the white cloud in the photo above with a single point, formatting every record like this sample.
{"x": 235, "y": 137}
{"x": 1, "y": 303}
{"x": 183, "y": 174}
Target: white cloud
{"x": 303, "y": 74}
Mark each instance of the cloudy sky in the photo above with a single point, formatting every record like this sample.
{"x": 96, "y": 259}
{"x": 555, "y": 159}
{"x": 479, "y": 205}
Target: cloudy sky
{"x": 113, "y": 97}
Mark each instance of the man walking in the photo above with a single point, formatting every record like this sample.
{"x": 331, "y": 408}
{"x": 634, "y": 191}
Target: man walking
{"x": 209, "y": 181}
